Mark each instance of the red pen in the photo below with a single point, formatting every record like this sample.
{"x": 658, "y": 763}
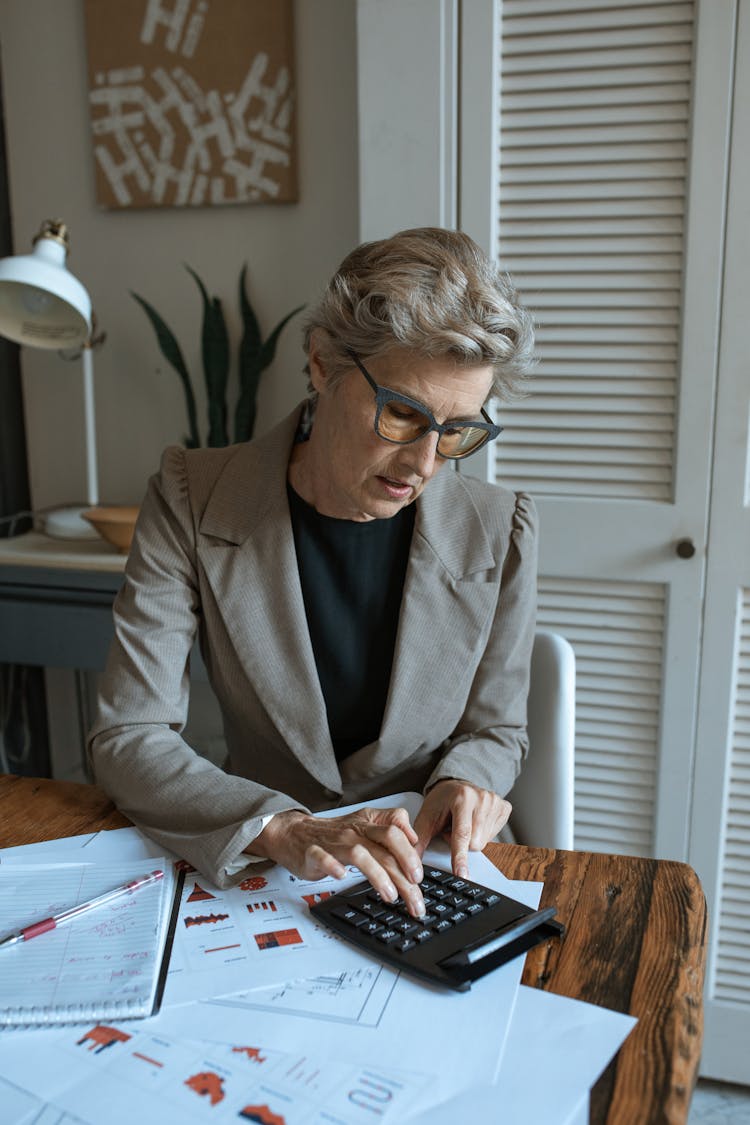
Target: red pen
{"x": 47, "y": 924}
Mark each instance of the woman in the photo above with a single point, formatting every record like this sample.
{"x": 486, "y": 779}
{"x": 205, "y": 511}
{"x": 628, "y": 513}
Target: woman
{"x": 365, "y": 614}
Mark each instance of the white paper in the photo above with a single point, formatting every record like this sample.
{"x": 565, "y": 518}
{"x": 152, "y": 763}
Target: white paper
{"x": 556, "y": 1050}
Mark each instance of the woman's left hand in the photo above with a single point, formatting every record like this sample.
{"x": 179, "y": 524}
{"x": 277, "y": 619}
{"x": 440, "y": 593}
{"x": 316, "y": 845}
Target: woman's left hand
{"x": 467, "y": 815}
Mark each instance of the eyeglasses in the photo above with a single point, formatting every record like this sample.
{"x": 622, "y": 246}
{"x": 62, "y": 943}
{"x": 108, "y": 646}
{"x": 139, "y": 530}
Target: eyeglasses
{"x": 402, "y": 420}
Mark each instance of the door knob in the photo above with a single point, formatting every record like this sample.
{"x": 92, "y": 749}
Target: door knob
{"x": 685, "y": 548}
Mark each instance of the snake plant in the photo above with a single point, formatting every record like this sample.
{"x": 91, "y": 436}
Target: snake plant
{"x": 254, "y": 355}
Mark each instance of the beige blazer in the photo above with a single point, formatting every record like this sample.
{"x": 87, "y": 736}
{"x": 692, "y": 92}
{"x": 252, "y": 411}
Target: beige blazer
{"x": 214, "y": 555}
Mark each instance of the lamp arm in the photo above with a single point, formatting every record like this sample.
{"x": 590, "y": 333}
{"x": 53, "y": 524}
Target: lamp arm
{"x": 92, "y": 481}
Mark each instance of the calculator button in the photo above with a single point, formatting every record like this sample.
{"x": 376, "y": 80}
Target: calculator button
{"x": 371, "y": 927}
{"x": 473, "y": 892}
{"x": 436, "y": 874}
{"x": 440, "y": 892}
{"x": 458, "y": 916}
{"x": 388, "y": 936}
{"x": 374, "y": 909}
{"x": 406, "y": 927}
{"x": 490, "y": 898}
{"x": 443, "y": 925}
{"x": 428, "y": 919}
{"x": 405, "y": 945}
{"x": 350, "y": 915}
{"x": 474, "y": 908}
{"x": 389, "y": 919}
{"x": 456, "y": 900}
{"x": 457, "y": 884}
{"x": 441, "y": 908}
{"x": 423, "y": 935}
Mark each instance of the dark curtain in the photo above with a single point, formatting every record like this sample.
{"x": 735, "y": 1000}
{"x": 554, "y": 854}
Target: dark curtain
{"x": 24, "y": 747}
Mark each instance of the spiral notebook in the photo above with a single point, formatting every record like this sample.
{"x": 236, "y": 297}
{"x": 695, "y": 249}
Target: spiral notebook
{"x": 108, "y": 964}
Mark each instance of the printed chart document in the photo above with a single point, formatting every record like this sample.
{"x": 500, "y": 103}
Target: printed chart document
{"x": 107, "y": 963}
{"x": 125, "y": 1073}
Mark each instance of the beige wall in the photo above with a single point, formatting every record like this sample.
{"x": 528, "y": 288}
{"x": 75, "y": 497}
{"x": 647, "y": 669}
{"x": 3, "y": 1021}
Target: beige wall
{"x": 290, "y": 249}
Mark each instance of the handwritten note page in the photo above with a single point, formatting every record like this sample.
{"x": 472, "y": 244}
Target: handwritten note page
{"x": 105, "y": 961}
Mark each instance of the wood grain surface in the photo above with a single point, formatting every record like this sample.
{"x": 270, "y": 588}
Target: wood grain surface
{"x": 634, "y": 942}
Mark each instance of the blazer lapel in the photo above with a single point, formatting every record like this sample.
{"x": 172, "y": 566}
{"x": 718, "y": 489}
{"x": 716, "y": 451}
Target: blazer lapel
{"x": 246, "y": 547}
{"x": 446, "y": 603}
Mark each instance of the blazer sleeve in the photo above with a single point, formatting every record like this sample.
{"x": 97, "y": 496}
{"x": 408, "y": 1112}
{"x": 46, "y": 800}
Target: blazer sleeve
{"x": 136, "y": 748}
{"x": 490, "y": 742}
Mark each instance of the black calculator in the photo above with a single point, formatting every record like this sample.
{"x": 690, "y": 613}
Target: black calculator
{"x": 468, "y": 929}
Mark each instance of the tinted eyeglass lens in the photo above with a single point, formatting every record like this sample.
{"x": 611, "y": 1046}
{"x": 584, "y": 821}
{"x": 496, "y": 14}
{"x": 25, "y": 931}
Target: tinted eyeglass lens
{"x": 399, "y": 422}
{"x": 461, "y": 441}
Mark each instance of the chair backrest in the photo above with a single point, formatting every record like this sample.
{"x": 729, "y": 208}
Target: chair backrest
{"x": 542, "y": 798}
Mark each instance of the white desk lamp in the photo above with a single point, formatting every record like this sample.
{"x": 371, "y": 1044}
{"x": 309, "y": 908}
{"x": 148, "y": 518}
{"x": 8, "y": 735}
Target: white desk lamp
{"x": 43, "y": 305}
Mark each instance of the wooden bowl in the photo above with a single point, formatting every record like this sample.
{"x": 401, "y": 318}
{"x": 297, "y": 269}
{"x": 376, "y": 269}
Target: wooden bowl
{"x": 115, "y": 524}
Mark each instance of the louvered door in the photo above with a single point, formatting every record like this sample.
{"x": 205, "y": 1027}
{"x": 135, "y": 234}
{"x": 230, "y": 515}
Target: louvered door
{"x": 720, "y": 834}
{"x": 596, "y": 161}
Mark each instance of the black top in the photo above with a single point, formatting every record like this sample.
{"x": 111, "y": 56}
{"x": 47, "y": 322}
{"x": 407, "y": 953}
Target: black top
{"x": 352, "y": 576}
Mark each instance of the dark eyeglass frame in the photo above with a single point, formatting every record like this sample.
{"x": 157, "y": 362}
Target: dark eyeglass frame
{"x": 384, "y": 395}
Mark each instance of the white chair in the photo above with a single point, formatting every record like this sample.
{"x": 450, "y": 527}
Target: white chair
{"x": 542, "y": 797}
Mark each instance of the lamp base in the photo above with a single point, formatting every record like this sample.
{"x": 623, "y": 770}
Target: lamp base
{"x": 67, "y": 523}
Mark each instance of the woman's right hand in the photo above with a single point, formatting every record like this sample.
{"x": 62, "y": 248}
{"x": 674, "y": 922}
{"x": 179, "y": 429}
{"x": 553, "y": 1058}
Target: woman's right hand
{"x": 379, "y": 842}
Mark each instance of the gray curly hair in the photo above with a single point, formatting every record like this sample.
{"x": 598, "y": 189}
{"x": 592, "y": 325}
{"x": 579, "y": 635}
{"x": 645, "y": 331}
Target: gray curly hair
{"x": 429, "y": 291}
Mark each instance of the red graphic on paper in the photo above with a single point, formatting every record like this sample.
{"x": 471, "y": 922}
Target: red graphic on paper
{"x": 268, "y": 904}
{"x": 254, "y": 883}
{"x": 253, "y": 1053}
{"x": 262, "y": 1114}
{"x": 208, "y": 1085}
{"x": 100, "y": 1037}
{"x": 183, "y": 865}
{"x": 321, "y": 896}
{"x": 277, "y": 938}
{"x": 147, "y": 1058}
{"x": 198, "y": 894}
{"x": 205, "y": 919}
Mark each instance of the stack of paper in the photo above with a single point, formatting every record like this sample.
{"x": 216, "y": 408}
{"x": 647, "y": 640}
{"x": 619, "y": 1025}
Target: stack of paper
{"x": 268, "y": 1017}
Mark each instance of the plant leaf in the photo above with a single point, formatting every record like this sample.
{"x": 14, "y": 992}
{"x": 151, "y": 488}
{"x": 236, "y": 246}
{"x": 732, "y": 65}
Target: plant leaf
{"x": 250, "y": 343}
{"x": 170, "y": 349}
{"x": 215, "y": 353}
{"x": 268, "y": 348}
{"x": 252, "y": 365}
{"x": 247, "y": 371}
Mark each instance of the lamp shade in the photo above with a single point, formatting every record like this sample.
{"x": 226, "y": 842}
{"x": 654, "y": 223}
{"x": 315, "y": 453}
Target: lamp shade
{"x": 41, "y": 302}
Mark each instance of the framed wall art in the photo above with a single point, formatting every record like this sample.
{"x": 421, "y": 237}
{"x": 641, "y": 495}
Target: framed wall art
{"x": 192, "y": 101}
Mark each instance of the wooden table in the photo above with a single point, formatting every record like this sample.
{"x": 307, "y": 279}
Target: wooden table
{"x": 635, "y": 942}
